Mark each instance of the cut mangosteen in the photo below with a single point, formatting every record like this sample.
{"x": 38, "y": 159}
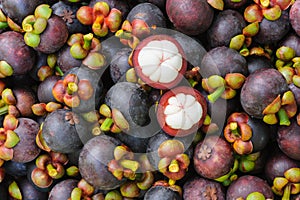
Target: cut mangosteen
{"x": 181, "y": 111}
{"x": 159, "y": 61}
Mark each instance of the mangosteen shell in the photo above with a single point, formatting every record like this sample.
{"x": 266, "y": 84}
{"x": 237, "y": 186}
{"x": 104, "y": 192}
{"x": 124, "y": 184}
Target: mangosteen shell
{"x": 63, "y": 189}
{"x": 162, "y": 193}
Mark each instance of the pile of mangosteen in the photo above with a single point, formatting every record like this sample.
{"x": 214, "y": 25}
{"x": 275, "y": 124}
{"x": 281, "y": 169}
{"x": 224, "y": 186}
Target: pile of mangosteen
{"x": 150, "y": 99}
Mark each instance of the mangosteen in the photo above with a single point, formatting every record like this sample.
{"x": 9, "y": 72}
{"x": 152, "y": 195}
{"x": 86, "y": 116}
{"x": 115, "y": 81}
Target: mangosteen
{"x": 190, "y": 17}
{"x": 26, "y": 150}
{"x": 234, "y": 4}
{"x": 119, "y": 64}
{"x": 28, "y": 191}
{"x": 93, "y": 162}
{"x": 16, "y": 53}
{"x": 44, "y": 90}
{"x": 249, "y": 187}
{"x": 293, "y": 41}
{"x": 3, "y": 192}
{"x": 227, "y": 24}
{"x": 201, "y": 188}
{"x": 279, "y": 27}
{"x": 296, "y": 92}
{"x": 25, "y": 98}
{"x": 16, "y": 169}
{"x": 162, "y": 192}
{"x": 60, "y": 133}
{"x": 288, "y": 138}
{"x": 294, "y": 14}
{"x": 68, "y": 13}
{"x": 149, "y": 13}
{"x": 135, "y": 143}
{"x": 181, "y": 111}
{"x": 257, "y": 62}
{"x": 159, "y": 61}
{"x": 213, "y": 157}
{"x": 65, "y": 60}
{"x": 62, "y": 189}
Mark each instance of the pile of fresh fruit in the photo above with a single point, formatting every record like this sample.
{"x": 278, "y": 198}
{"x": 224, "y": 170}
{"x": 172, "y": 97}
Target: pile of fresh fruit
{"x": 149, "y": 99}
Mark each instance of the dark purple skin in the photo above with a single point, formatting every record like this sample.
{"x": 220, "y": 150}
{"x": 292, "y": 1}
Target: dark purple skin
{"x": 15, "y": 169}
{"x": 221, "y": 61}
{"x": 26, "y": 150}
{"x": 44, "y": 90}
{"x": 65, "y": 60}
{"x": 201, "y": 188}
{"x": 54, "y": 36}
{"x": 25, "y": 97}
{"x": 292, "y": 40}
{"x": 93, "y": 161}
{"x": 63, "y": 189}
{"x": 17, "y": 10}
{"x": 161, "y": 192}
{"x": 234, "y": 5}
{"x": 220, "y": 160}
{"x": 296, "y": 92}
{"x": 247, "y": 184}
{"x": 16, "y": 53}
{"x": 295, "y": 17}
{"x": 29, "y": 192}
{"x": 61, "y": 134}
{"x": 190, "y": 17}
{"x": 257, "y": 62}
{"x": 288, "y": 138}
{"x": 149, "y": 13}
{"x": 226, "y": 25}
{"x": 119, "y": 64}
{"x": 123, "y": 6}
{"x": 277, "y": 164}
{"x": 68, "y": 13}
{"x": 279, "y": 27}
{"x": 260, "y": 89}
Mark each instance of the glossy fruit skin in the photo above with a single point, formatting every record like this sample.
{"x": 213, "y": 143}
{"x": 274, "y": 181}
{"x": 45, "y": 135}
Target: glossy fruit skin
{"x": 54, "y": 36}
{"x": 247, "y": 184}
{"x": 163, "y": 102}
{"x": 63, "y": 189}
{"x": 226, "y": 24}
{"x": 93, "y": 161}
{"x": 198, "y": 188}
{"x": 260, "y": 89}
{"x": 25, "y": 97}
{"x": 161, "y": 192}
{"x": 190, "y": 17}
{"x": 26, "y": 150}
{"x": 220, "y": 160}
{"x": 59, "y": 133}
{"x": 294, "y": 17}
{"x": 138, "y": 68}
{"x": 16, "y": 53}
{"x": 288, "y": 139}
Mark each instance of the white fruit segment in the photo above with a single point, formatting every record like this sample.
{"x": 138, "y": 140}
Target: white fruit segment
{"x": 160, "y": 61}
{"x": 183, "y": 111}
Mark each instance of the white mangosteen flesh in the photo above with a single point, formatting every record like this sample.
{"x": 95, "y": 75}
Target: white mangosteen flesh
{"x": 160, "y": 61}
{"x": 183, "y": 111}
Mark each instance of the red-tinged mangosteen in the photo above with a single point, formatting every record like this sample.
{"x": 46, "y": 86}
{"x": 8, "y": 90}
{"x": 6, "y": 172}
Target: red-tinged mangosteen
{"x": 213, "y": 158}
{"x": 189, "y": 16}
{"x": 249, "y": 187}
{"x": 159, "y": 61}
{"x": 288, "y": 138}
{"x": 181, "y": 111}
{"x": 15, "y": 56}
{"x": 295, "y": 17}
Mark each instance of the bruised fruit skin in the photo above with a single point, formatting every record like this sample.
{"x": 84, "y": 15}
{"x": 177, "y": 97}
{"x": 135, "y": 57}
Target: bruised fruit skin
{"x": 26, "y": 150}
{"x": 54, "y": 36}
{"x": 295, "y": 17}
{"x": 63, "y": 189}
{"x": 181, "y": 111}
{"x": 189, "y": 16}
{"x": 213, "y": 157}
{"x": 201, "y": 188}
{"x": 260, "y": 89}
{"x": 159, "y": 61}
{"x": 16, "y": 53}
{"x": 59, "y": 131}
{"x": 288, "y": 138}
{"x": 247, "y": 184}
{"x": 93, "y": 162}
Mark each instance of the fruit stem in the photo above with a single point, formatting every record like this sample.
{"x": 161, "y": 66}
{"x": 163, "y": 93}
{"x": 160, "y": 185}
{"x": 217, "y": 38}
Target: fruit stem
{"x": 72, "y": 88}
{"x": 234, "y": 129}
{"x": 216, "y": 94}
{"x": 87, "y": 41}
{"x": 51, "y": 170}
{"x": 286, "y": 192}
{"x": 130, "y": 164}
{"x": 59, "y": 71}
{"x": 283, "y": 117}
{"x": 105, "y": 126}
{"x": 76, "y": 194}
{"x": 174, "y": 166}
{"x": 3, "y": 25}
{"x": 4, "y": 110}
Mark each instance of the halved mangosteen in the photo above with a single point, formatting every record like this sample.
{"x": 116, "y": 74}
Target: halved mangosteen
{"x": 181, "y": 111}
{"x": 159, "y": 61}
